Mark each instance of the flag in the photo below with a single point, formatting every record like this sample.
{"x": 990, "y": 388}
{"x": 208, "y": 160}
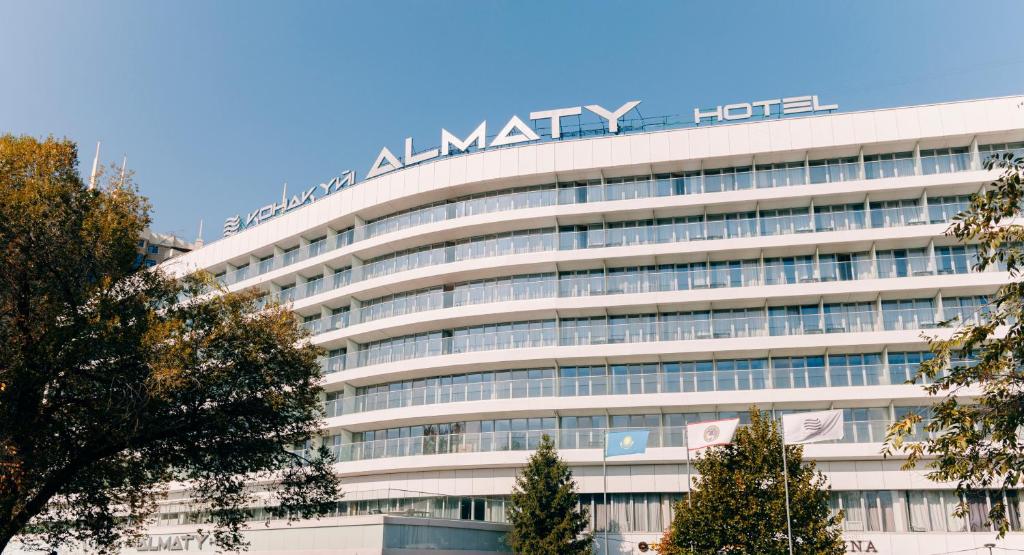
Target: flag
{"x": 812, "y": 427}
{"x": 625, "y": 443}
{"x": 714, "y": 432}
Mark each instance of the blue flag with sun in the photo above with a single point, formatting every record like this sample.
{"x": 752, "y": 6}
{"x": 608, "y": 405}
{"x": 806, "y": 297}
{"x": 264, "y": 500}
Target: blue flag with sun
{"x": 633, "y": 442}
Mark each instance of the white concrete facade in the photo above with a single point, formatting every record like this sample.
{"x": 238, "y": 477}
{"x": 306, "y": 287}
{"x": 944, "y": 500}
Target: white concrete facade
{"x": 445, "y": 381}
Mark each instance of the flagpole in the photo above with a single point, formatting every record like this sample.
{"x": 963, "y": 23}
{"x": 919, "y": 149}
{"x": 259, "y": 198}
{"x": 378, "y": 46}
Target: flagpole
{"x": 785, "y": 485}
{"x": 607, "y": 509}
{"x": 689, "y": 483}
{"x": 627, "y": 446}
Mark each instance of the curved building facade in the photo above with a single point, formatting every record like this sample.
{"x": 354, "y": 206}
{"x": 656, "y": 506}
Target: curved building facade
{"x": 646, "y": 280}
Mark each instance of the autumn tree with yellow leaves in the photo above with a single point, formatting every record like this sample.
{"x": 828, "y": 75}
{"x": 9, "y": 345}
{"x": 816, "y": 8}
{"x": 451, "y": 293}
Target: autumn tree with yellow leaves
{"x": 116, "y": 380}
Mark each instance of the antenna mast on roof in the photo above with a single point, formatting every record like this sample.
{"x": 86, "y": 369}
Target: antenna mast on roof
{"x": 95, "y": 165}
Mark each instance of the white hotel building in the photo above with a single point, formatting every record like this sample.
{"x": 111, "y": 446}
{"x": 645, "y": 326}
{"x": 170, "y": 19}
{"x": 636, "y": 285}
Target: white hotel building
{"x": 645, "y": 279}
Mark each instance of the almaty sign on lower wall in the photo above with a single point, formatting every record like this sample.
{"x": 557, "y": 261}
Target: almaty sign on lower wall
{"x": 515, "y": 131}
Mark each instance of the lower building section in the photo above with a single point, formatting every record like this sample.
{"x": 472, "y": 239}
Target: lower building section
{"x": 386, "y": 534}
{"x": 886, "y": 510}
{"x": 875, "y": 511}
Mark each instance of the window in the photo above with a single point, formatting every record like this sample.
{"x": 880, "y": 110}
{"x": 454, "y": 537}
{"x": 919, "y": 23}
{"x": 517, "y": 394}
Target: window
{"x": 925, "y": 511}
{"x": 999, "y": 150}
{"x": 291, "y": 255}
{"x": 865, "y": 425}
{"x": 945, "y": 160}
{"x": 153, "y": 249}
{"x": 944, "y": 209}
{"x": 698, "y": 376}
{"x": 317, "y": 246}
{"x": 785, "y": 221}
{"x": 839, "y": 217}
{"x": 903, "y": 263}
{"x": 965, "y": 310}
{"x": 728, "y": 179}
{"x": 849, "y": 317}
{"x": 794, "y": 320}
{"x": 780, "y": 175}
{"x": 798, "y": 372}
{"x": 630, "y": 512}
{"x": 977, "y": 510}
{"x": 845, "y": 266}
{"x": 892, "y": 213}
{"x": 742, "y": 374}
{"x": 789, "y": 269}
{"x": 955, "y": 260}
{"x": 908, "y": 314}
{"x": 634, "y": 379}
{"x": 897, "y": 164}
{"x": 904, "y": 366}
{"x": 833, "y": 170}
{"x": 1013, "y": 501}
{"x": 855, "y": 369}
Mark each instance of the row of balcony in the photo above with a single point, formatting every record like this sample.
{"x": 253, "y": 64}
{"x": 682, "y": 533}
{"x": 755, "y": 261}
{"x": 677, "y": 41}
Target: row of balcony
{"x": 873, "y": 264}
{"x": 879, "y": 166}
{"x": 806, "y": 319}
{"x": 809, "y": 219}
{"x": 728, "y": 375}
{"x": 855, "y": 431}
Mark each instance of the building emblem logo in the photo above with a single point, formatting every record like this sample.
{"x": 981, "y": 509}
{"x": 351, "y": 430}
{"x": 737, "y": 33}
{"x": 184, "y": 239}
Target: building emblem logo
{"x": 231, "y": 225}
{"x": 711, "y": 433}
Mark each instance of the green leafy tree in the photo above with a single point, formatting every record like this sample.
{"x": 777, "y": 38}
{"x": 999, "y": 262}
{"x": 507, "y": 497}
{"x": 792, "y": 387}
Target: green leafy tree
{"x": 738, "y": 500}
{"x": 544, "y": 509}
{"x": 115, "y": 380}
{"x": 973, "y": 436}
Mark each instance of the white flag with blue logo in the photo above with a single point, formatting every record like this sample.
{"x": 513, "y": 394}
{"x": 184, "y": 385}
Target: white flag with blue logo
{"x": 812, "y": 427}
{"x": 625, "y": 443}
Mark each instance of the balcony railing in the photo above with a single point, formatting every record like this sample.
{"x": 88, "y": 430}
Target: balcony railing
{"x": 546, "y": 240}
{"x": 706, "y": 181}
{"x": 809, "y": 319}
{"x": 763, "y": 377}
{"x": 870, "y": 431}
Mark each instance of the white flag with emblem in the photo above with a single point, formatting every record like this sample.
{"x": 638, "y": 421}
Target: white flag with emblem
{"x": 812, "y": 427}
{"x": 700, "y": 435}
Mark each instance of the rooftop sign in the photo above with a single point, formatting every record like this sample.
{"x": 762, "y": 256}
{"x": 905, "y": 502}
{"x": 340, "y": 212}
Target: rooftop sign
{"x": 514, "y": 132}
{"x": 762, "y": 108}
{"x": 548, "y": 125}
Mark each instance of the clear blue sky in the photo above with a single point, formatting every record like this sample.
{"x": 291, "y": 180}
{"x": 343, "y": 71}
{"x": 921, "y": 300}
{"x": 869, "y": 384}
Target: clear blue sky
{"x": 217, "y": 103}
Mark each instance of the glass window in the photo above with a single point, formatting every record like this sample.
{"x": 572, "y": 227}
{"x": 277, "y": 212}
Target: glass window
{"x": 965, "y": 310}
{"x": 944, "y": 160}
{"x": 977, "y": 510}
{"x": 895, "y": 164}
{"x": 1000, "y": 150}
{"x": 834, "y": 170}
{"x": 929, "y": 511}
{"x": 1013, "y": 501}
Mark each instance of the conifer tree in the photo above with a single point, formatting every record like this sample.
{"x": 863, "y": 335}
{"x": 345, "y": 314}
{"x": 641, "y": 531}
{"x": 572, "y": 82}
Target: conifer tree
{"x": 544, "y": 509}
{"x": 738, "y": 501}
